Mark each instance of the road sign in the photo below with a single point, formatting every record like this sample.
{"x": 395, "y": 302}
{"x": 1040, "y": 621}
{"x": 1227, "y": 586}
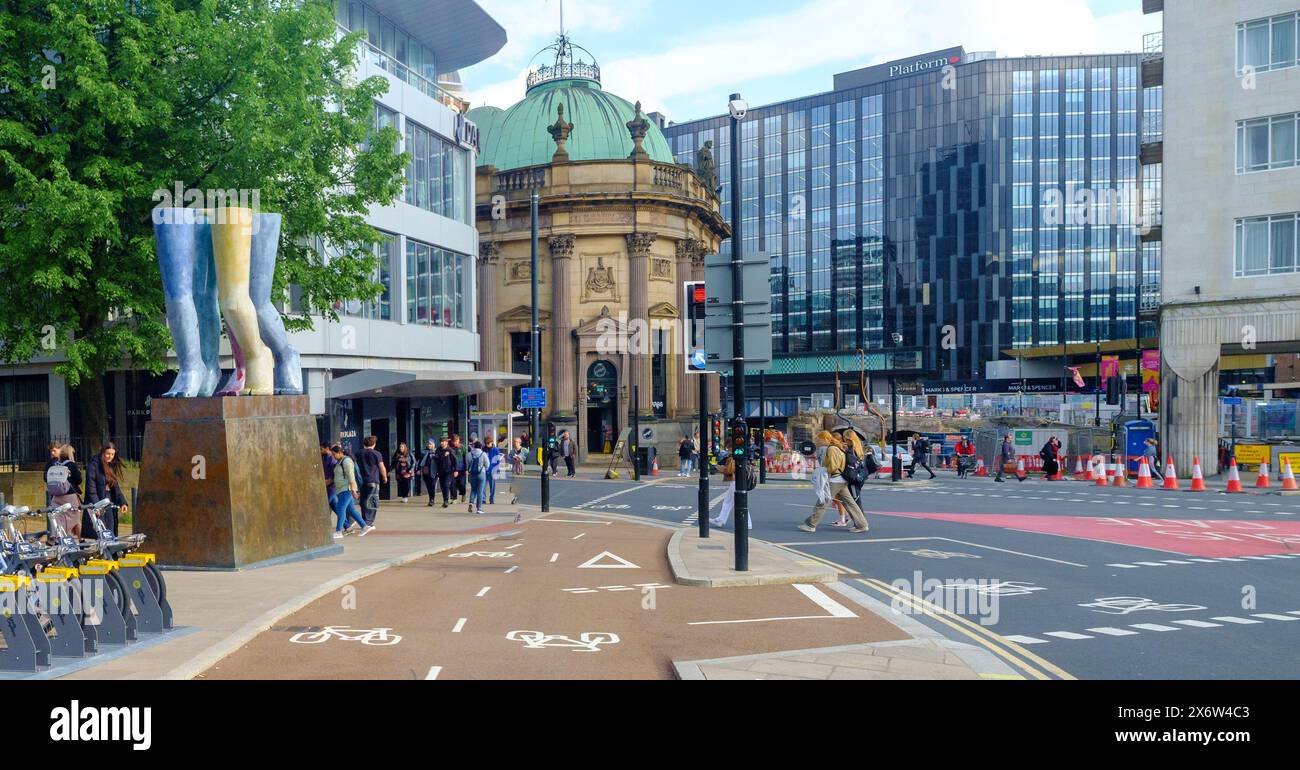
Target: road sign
{"x": 758, "y": 343}
{"x": 696, "y": 356}
{"x": 756, "y": 279}
{"x": 532, "y": 398}
{"x": 1234, "y": 402}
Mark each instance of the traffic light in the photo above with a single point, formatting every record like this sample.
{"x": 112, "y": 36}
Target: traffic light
{"x": 552, "y": 437}
{"x": 739, "y": 438}
{"x": 717, "y": 435}
{"x": 1114, "y": 387}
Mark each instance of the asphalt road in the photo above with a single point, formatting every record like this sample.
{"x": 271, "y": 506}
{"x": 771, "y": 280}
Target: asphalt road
{"x": 562, "y": 597}
{"x": 1104, "y": 583}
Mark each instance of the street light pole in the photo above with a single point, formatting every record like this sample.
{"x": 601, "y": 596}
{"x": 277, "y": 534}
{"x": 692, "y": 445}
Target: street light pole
{"x": 1100, "y": 389}
{"x": 737, "y": 107}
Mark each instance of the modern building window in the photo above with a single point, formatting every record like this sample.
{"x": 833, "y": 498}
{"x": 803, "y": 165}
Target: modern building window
{"x": 392, "y": 49}
{"x": 1266, "y": 246}
{"x": 436, "y": 175}
{"x": 1267, "y": 44}
{"x": 435, "y": 285}
{"x": 380, "y": 308}
{"x": 1265, "y": 144}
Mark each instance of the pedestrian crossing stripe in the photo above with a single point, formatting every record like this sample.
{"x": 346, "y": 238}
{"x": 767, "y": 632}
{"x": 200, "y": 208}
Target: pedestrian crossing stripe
{"x": 1177, "y": 625}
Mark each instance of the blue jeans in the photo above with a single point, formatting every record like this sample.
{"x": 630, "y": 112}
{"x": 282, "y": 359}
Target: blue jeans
{"x": 478, "y": 490}
{"x": 492, "y": 488}
{"x": 686, "y": 467}
{"x": 345, "y": 509}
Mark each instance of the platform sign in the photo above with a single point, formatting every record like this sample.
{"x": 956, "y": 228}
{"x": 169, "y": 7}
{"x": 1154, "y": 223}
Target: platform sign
{"x": 532, "y": 398}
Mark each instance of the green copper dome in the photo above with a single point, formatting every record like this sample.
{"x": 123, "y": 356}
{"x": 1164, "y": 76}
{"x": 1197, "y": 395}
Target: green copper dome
{"x": 517, "y": 137}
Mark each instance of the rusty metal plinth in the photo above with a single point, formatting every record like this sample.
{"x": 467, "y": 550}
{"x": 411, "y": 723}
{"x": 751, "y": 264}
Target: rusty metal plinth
{"x": 226, "y": 483}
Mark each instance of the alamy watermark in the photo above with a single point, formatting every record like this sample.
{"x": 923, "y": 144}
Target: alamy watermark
{"x": 181, "y": 205}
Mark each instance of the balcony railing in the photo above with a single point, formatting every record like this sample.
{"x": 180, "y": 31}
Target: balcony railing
{"x": 407, "y": 75}
{"x": 564, "y": 72}
{"x": 1150, "y": 297}
{"x": 521, "y": 179}
{"x": 1153, "y": 46}
{"x": 668, "y": 176}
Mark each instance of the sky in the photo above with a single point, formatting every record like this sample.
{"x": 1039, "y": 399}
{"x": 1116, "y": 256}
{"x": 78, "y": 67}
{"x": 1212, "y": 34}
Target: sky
{"x": 684, "y": 57}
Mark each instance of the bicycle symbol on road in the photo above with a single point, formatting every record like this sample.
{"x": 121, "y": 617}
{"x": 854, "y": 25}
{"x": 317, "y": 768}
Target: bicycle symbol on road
{"x": 586, "y": 642}
{"x": 998, "y": 588}
{"x": 1125, "y": 605}
{"x": 374, "y": 637}
{"x": 929, "y": 553}
{"x": 674, "y": 507}
{"x": 484, "y": 554}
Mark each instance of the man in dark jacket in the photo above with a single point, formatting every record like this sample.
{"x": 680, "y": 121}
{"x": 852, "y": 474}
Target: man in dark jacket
{"x": 444, "y": 464}
{"x": 373, "y": 473}
{"x": 461, "y": 454}
{"x": 1006, "y": 454}
{"x": 569, "y": 451}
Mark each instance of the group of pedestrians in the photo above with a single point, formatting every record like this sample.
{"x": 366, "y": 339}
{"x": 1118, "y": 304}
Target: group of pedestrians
{"x": 460, "y": 471}
{"x": 688, "y": 454}
{"x": 103, "y": 479}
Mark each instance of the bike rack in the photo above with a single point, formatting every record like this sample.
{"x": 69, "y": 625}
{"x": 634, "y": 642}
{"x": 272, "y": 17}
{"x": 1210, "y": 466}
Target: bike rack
{"x": 112, "y": 626}
{"x": 66, "y": 613}
{"x": 153, "y": 613}
{"x": 26, "y": 647}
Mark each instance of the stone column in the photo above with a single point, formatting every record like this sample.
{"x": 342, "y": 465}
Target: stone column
{"x": 638, "y": 252}
{"x": 562, "y": 315}
{"x": 688, "y": 386}
{"x": 489, "y": 331}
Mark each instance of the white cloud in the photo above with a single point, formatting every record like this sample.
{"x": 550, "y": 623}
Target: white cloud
{"x": 817, "y": 34}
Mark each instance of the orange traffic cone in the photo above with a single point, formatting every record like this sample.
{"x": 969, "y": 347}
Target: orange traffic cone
{"x": 1144, "y": 476}
{"x": 1121, "y": 477}
{"x": 654, "y": 467}
{"x": 980, "y": 470}
{"x": 1060, "y": 466}
{"x": 1020, "y": 470}
{"x": 1198, "y": 479}
{"x": 1263, "y": 482}
{"x": 1288, "y": 478}
{"x": 1171, "y": 476}
{"x": 1104, "y": 472}
{"x": 1079, "y": 473}
{"x": 1234, "y": 479}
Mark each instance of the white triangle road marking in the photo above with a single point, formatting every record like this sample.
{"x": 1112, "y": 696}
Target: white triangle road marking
{"x": 594, "y": 562}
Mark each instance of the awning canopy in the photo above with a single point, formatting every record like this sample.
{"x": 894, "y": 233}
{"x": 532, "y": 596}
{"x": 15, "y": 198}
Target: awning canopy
{"x": 382, "y": 383}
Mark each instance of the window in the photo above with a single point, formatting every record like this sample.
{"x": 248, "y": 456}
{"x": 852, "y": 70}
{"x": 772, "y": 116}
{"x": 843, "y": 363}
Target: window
{"x": 435, "y": 285}
{"x": 380, "y": 308}
{"x": 1267, "y": 143}
{"x": 1265, "y": 246}
{"x": 1267, "y": 44}
{"x": 436, "y": 177}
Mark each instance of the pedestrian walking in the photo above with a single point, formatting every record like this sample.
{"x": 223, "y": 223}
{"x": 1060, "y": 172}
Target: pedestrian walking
{"x": 920, "y": 456}
{"x": 444, "y": 463}
{"x": 373, "y": 474}
{"x": 345, "y": 485}
{"x": 104, "y": 482}
{"x": 729, "y": 499}
{"x": 1048, "y": 455}
{"x": 461, "y": 456}
{"x": 833, "y": 461}
{"x": 517, "y": 454}
{"x": 1151, "y": 451}
{"x": 327, "y": 464}
{"x": 403, "y": 466}
{"x": 965, "y": 455}
{"x": 856, "y": 468}
{"x": 55, "y": 447}
{"x": 428, "y": 469}
{"x": 1007, "y": 459}
{"x": 685, "y": 451}
{"x": 476, "y": 469}
{"x": 569, "y": 450}
{"x": 494, "y": 468}
{"x": 63, "y": 487}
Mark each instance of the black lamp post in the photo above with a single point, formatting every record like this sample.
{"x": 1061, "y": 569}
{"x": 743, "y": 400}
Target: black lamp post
{"x": 896, "y": 462}
{"x": 737, "y": 108}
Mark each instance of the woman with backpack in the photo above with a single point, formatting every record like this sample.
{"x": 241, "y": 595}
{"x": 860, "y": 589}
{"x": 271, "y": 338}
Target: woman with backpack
{"x": 403, "y": 465}
{"x": 476, "y": 468}
{"x": 833, "y": 462}
{"x": 104, "y": 482}
{"x": 63, "y": 485}
{"x": 345, "y": 487}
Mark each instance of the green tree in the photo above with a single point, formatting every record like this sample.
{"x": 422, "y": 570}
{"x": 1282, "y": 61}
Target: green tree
{"x": 105, "y": 102}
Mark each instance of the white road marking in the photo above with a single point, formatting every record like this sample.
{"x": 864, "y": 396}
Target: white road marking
{"x": 580, "y": 591}
{"x": 758, "y": 620}
{"x": 1176, "y": 561}
{"x": 1257, "y": 558}
{"x": 571, "y": 521}
{"x": 1067, "y": 635}
{"x": 619, "y": 493}
{"x": 1203, "y": 561}
{"x": 1123, "y": 566}
{"x": 1271, "y": 616}
{"x": 1150, "y": 564}
{"x": 1294, "y": 612}
{"x": 594, "y": 562}
{"x": 483, "y": 592}
{"x": 1153, "y": 627}
{"x": 579, "y": 537}
{"x": 433, "y": 672}
{"x": 555, "y": 557}
{"x": 512, "y": 569}
{"x": 1239, "y": 621}
{"x": 1197, "y": 624}
{"x": 1107, "y": 631}
{"x": 459, "y": 625}
{"x": 1229, "y": 558}
{"x": 513, "y": 547}
{"x": 825, "y": 602}
{"x": 1025, "y": 640}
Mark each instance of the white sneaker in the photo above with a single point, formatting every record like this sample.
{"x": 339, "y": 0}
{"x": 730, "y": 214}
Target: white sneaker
{"x": 338, "y": 535}
{"x": 367, "y": 531}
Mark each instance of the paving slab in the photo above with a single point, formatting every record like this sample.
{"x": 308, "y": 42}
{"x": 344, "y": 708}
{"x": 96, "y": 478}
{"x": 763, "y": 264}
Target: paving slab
{"x": 712, "y": 563}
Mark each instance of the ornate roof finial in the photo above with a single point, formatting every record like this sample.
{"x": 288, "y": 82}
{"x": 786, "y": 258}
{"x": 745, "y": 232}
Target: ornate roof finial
{"x": 638, "y": 126}
{"x": 560, "y": 131}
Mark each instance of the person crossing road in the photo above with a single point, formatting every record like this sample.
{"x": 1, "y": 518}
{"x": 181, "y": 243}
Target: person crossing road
{"x": 1006, "y": 456}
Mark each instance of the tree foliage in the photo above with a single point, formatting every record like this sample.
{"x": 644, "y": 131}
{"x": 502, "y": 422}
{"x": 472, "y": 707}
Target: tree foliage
{"x": 103, "y": 103}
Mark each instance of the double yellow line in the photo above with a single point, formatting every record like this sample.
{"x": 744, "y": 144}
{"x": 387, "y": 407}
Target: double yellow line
{"x": 1017, "y": 656}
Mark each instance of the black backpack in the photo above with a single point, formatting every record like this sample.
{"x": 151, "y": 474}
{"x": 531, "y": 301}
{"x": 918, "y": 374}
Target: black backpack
{"x": 855, "y": 471}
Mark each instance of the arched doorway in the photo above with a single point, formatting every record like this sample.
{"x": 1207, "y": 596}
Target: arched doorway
{"x": 602, "y": 407}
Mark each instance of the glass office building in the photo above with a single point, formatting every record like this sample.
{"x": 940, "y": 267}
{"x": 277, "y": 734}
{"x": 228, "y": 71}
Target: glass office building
{"x": 972, "y": 204}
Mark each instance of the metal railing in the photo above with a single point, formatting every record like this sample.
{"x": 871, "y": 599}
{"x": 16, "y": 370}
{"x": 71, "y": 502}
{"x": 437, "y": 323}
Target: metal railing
{"x": 31, "y": 450}
{"x": 1150, "y": 297}
{"x": 407, "y": 75}
{"x": 564, "y": 72}
{"x": 1153, "y": 46}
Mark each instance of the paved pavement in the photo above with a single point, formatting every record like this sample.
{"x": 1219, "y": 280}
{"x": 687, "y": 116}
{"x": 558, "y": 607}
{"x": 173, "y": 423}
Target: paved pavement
{"x": 566, "y": 596}
{"x": 1097, "y": 582}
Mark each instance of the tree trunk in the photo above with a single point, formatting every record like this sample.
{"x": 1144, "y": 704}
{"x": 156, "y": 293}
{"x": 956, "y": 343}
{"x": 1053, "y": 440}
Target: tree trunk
{"x": 93, "y": 409}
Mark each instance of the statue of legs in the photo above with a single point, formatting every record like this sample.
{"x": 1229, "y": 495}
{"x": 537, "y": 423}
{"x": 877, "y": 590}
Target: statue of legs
{"x": 232, "y": 239}
{"x": 176, "y": 237}
{"x": 288, "y": 366}
{"x": 206, "y": 306}
{"x": 234, "y": 383}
